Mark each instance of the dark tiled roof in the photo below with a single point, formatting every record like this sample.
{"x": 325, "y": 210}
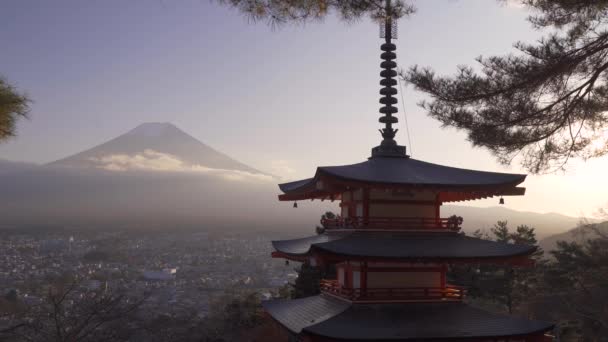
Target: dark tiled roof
{"x": 325, "y": 316}
{"x": 408, "y": 171}
{"x": 402, "y": 245}
{"x": 297, "y": 314}
{"x": 302, "y": 246}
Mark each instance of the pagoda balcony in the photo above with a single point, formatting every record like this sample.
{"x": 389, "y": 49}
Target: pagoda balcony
{"x": 415, "y": 294}
{"x": 394, "y": 223}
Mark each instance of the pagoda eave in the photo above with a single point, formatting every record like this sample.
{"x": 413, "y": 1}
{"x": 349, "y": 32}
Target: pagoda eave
{"x": 444, "y": 196}
{"x": 325, "y": 186}
{"x": 403, "y": 174}
{"x": 329, "y": 318}
{"x": 518, "y": 261}
{"x": 364, "y": 245}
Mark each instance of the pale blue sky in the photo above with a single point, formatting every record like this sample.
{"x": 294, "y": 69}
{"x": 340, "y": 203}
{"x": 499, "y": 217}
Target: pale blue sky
{"x": 282, "y": 101}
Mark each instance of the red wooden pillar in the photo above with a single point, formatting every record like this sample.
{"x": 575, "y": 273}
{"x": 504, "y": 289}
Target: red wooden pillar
{"x": 365, "y": 206}
{"x": 437, "y": 211}
{"x": 364, "y": 278}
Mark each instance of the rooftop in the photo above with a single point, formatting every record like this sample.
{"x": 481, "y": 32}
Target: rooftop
{"x": 327, "y": 316}
{"x": 407, "y": 173}
{"x": 401, "y": 245}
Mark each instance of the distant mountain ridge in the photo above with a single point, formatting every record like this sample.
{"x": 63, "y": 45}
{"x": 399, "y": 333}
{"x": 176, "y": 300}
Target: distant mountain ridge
{"x": 545, "y": 224}
{"x": 154, "y": 140}
{"x": 577, "y": 234}
{"x": 8, "y": 166}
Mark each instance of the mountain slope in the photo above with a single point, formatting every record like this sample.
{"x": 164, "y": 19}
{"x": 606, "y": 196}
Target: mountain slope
{"x": 578, "y": 234}
{"x": 485, "y": 218}
{"x": 152, "y": 144}
{"x": 7, "y": 166}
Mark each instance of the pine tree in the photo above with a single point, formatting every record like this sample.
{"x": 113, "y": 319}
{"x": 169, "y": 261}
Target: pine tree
{"x": 13, "y": 105}
{"x": 307, "y": 282}
{"x": 508, "y": 286}
{"x": 546, "y": 103}
{"x": 578, "y": 278}
{"x": 301, "y": 11}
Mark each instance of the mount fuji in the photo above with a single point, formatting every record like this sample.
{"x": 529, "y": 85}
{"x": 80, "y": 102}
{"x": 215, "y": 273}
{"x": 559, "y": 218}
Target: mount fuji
{"x": 155, "y": 175}
{"x": 154, "y": 146}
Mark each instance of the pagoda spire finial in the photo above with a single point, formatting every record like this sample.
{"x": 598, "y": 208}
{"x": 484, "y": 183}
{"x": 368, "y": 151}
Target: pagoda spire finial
{"x": 388, "y": 147}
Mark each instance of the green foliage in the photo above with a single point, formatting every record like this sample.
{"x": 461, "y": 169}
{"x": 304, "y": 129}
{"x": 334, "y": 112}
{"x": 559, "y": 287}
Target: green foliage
{"x": 546, "y": 103}
{"x": 501, "y": 231}
{"x": 12, "y": 106}
{"x": 327, "y": 216}
{"x": 307, "y": 282}
{"x": 569, "y": 289}
{"x": 68, "y": 314}
{"x": 232, "y": 316}
{"x": 507, "y": 286}
{"x": 301, "y": 11}
{"x": 578, "y": 279}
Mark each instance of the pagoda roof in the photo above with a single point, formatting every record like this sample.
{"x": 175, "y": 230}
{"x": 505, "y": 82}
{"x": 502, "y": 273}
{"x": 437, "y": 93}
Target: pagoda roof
{"x": 330, "y": 317}
{"x": 407, "y": 172}
{"x": 400, "y": 245}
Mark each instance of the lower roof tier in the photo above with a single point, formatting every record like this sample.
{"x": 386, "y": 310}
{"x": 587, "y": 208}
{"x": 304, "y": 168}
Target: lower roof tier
{"x": 329, "y": 317}
{"x": 400, "y": 245}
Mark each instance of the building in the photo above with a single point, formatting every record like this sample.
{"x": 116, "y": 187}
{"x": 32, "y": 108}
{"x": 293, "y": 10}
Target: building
{"x": 392, "y": 249}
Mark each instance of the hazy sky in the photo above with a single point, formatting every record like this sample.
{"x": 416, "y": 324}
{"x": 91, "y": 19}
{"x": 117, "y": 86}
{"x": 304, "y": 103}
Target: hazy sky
{"x": 283, "y": 100}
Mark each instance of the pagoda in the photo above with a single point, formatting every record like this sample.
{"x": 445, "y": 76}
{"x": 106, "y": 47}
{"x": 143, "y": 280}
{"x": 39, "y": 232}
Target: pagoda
{"x": 391, "y": 248}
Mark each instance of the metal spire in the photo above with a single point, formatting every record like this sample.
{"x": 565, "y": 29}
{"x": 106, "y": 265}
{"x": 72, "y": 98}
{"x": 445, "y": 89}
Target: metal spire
{"x": 388, "y": 147}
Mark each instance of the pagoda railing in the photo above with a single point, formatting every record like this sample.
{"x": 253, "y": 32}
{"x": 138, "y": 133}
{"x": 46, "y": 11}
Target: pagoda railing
{"x": 448, "y": 293}
{"x": 397, "y": 223}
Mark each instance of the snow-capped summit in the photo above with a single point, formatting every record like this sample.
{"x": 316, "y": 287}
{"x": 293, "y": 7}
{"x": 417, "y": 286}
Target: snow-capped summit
{"x": 154, "y": 129}
{"x": 153, "y": 145}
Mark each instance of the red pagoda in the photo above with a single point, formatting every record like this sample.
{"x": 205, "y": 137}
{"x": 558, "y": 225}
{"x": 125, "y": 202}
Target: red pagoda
{"x": 392, "y": 249}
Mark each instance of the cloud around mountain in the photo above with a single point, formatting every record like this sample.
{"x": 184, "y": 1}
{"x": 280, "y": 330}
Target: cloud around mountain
{"x": 158, "y": 146}
{"x": 151, "y": 160}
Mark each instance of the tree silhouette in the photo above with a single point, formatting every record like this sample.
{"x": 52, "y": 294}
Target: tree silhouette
{"x": 301, "y": 11}
{"x": 546, "y": 103}
{"x": 507, "y": 286}
{"x": 578, "y": 279}
{"x": 68, "y": 314}
{"x": 13, "y": 105}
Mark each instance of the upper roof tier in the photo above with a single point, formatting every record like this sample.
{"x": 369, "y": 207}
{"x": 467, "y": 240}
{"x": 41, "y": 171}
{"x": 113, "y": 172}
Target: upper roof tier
{"x": 404, "y": 172}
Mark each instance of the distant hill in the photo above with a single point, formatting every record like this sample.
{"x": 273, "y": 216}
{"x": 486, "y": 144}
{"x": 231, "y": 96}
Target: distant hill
{"x": 484, "y": 218}
{"x": 578, "y": 234}
{"x": 153, "y": 145}
{"x": 7, "y": 166}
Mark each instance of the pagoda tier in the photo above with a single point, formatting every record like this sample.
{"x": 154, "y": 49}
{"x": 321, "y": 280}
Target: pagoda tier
{"x": 343, "y": 245}
{"x": 326, "y": 318}
{"x": 396, "y": 266}
{"x": 449, "y": 184}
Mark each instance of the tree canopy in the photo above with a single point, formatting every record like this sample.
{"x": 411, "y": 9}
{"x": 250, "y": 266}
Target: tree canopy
{"x": 278, "y": 12}
{"x": 13, "y": 105}
{"x": 545, "y": 103}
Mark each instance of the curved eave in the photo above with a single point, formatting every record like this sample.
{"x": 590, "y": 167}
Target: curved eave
{"x": 427, "y": 247}
{"x": 460, "y": 184}
{"x": 300, "y": 248}
{"x": 329, "y": 317}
